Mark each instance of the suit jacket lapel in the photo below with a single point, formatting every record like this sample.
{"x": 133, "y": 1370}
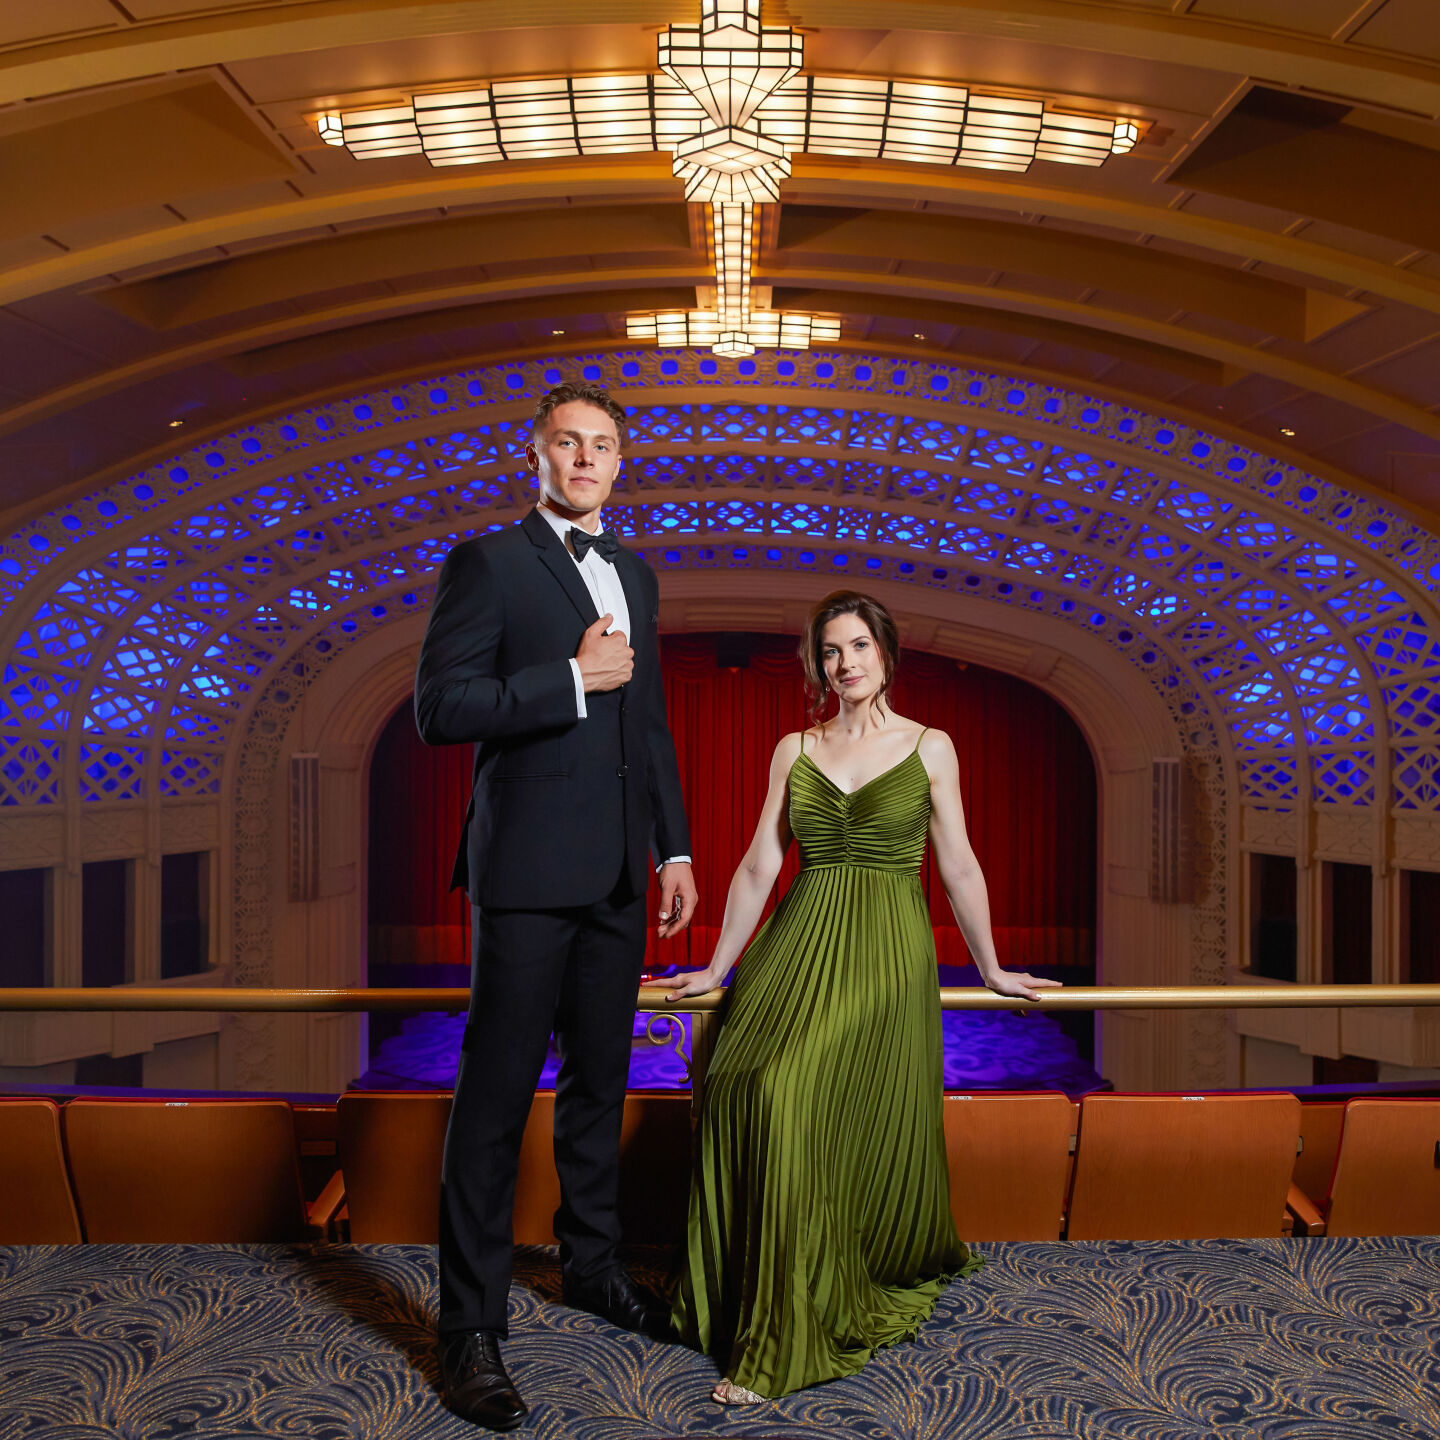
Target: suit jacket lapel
{"x": 558, "y": 561}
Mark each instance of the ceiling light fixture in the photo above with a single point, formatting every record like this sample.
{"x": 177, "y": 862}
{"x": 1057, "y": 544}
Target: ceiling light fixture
{"x": 1287, "y": 432}
{"x": 176, "y": 424}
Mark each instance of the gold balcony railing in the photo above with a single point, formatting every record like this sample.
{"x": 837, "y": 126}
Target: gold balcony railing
{"x": 962, "y": 997}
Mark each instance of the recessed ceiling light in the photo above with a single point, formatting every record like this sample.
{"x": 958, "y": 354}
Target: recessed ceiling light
{"x": 917, "y": 336}
{"x": 557, "y": 332}
{"x": 1287, "y": 432}
{"x": 176, "y": 424}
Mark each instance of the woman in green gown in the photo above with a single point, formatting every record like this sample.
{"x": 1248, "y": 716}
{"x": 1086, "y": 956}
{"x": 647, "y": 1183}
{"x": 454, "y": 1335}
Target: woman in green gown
{"x": 819, "y": 1225}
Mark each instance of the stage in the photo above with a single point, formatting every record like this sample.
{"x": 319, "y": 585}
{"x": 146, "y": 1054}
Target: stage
{"x": 1225, "y": 1340}
{"x": 983, "y": 1051}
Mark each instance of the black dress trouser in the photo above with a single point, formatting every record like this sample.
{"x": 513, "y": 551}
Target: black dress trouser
{"x": 574, "y": 972}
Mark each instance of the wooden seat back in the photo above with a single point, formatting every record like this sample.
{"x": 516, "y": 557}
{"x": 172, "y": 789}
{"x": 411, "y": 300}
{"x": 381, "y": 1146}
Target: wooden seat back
{"x": 1174, "y": 1167}
{"x": 391, "y": 1145}
{"x": 36, "y": 1206}
{"x": 209, "y": 1171}
{"x": 1387, "y": 1174}
{"x": 1009, "y": 1159}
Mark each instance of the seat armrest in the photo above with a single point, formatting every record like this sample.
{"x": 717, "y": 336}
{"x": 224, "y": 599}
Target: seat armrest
{"x": 322, "y": 1214}
{"x": 1306, "y": 1216}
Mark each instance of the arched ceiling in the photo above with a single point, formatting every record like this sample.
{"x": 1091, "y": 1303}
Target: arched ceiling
{"x": 177, "y": 244}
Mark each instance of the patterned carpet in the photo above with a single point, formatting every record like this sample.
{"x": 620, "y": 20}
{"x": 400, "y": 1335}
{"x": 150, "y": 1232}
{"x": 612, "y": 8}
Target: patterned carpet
{"x": 1225, "y": 1340}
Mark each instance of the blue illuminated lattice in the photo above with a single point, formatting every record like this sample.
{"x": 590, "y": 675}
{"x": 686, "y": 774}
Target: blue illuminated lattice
{"x": 1161, "y": 605}
{"x": 1196, "y": 510}
{"x": 137, "y": 663}
{"x": 1056, "y": 514}
{"x": 1262, "y": 731}
{"x": 1072, "y": 468}
{"x": 1271, "y": 781}
{"x": 213, "y": 687}
{"x": 1321, "y": 670}
{"x": 892, "y": 529}
{"x": 728, "y": 515}
{"x": 480, "y": 446}
{"x": 933, "y": 438}
{"x": 1317, "y": 567}
{"x": 111, "y": 772}
{"x": 1258, "y": 539}
{"x": 720, "y": 470}
{"x": 29, "y": 772}
{"x": 718, "y": 424}
{"x": 1207, "y": 576}
{"x": 805, "y": 519}
{"x": 659, "y": 472}
{"x": 658, "y": 424}
{"x": 1338, "y": 720}
{"x": 1113, "y": 532}
{"x": 1127, "y": 587}
{"x": 1199, "y": 635}
{"x": 214, "y": 526}
{"x": 1083, "y": 571}
{"x": 956, "y": 539}
{"x": 1007, "y": 453}
{"x": 985, "y": 497}
{"x": 302, "y": 546}
{"x": 36, "y": 697}
{"x": 1414, "y": 709}
{"x": 97, "y": 591}
{"x": 387, "y": 466}
{"x": 808, "y": 425}
{"x": 1228, "y": 661}
{"x": 270, "y": 505}
{"x": 330, "y": 484}
{"x": 804, "y": 473}
{"x": 190, "y": 773}
{"x": 1157, "y": 549}
{"x": 674, "y": 518}
{"x": 1299, "y": 628}
{"x": 872, "y": 430}
{"x": 408, "y": 511}
{"x": 1257, "y": 602}
{"x": 1133, "y": 487}
{"x": 1365, "y": 603}
{"x": 918, "y": 485}
{"x": 166, "y": 622}
{"x": 861, "y": 478}
{"x": 1035, "y": 556}
{"x": 1347, "y": 778}
{"x": 120, "y": 712}
{"x": 1417, "y": 777}
{"x": 358, "y": 527}
{"x": 1401, "y": 647}
{"x": 56, "y": 632}
{"x": 187, "y": 722}
{"x": 1256, "y": 690}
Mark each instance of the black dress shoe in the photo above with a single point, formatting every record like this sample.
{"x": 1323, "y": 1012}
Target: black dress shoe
{"x": 617, "y": 1298}
{"x": 476, "y": 1385}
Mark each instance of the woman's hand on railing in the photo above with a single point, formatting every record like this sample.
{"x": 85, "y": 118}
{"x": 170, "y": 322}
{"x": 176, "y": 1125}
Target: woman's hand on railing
{"x": 1022, "y": 986}
{"x": 690, "y": 982}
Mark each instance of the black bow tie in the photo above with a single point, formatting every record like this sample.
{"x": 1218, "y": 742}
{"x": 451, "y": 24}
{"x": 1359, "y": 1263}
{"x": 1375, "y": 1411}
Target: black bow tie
{"x": 607, "y": 547}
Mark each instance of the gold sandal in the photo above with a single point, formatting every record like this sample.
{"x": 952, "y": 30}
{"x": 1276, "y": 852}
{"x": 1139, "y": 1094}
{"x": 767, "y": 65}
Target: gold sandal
{"x": 727, "y": 1392}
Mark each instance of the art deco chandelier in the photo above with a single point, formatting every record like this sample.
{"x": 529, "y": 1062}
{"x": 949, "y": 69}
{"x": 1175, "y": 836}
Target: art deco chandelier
{"x": 731, "y": 105}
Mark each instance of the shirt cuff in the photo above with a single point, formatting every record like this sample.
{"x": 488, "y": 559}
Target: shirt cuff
{"x": 579, "y": 689}
{"x": 673, "y": 860}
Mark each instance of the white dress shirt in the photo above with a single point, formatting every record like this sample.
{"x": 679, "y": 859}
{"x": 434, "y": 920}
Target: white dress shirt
{"x": 602, "y": 580}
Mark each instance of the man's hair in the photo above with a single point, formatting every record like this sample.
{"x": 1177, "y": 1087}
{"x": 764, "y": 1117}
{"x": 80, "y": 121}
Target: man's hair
{"x": 596, "y": 395}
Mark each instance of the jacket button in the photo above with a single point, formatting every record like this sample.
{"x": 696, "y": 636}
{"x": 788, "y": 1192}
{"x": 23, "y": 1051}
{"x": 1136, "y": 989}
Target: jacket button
{"x": 623, "y": 771}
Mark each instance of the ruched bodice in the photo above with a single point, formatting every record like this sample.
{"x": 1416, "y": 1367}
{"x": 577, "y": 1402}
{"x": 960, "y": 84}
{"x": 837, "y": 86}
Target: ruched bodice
{"x": 820, "y": 1224}
{"x": 880, "y": 826}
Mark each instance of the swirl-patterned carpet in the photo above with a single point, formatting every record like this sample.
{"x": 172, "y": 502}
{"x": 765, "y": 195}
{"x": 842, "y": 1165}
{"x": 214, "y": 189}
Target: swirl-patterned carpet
{"x": 1225, "y": 1340}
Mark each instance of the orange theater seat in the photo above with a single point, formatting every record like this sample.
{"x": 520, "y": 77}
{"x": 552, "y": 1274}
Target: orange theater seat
{"x": 1009, "y": 1159}
{"x": 1387, "y": 1174}
{"x": 185, "y": 1170}
{"x": 391, "y": 1147}
{"x": 1173, "y": 1167}
{"x": 36, "y": 1206}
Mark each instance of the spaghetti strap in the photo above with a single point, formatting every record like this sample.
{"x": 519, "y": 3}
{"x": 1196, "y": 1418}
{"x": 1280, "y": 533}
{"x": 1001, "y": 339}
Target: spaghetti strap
{"x": 923, "y": 730}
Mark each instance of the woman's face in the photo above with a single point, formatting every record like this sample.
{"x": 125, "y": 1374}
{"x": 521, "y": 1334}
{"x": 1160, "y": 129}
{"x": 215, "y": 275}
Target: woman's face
{"x": 850, "y": 659}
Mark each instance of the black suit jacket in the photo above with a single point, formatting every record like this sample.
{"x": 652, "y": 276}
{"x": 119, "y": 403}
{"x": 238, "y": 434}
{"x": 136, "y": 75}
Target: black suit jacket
{"x": 561, "y": 806}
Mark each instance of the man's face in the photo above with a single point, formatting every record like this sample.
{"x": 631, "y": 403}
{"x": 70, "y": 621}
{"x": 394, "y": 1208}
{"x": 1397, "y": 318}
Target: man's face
{"x": 575, "y": 456}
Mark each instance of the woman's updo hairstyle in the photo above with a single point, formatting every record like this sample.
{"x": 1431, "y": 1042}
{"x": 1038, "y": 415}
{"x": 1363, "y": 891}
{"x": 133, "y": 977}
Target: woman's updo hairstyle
{"x": 876, "y": 619}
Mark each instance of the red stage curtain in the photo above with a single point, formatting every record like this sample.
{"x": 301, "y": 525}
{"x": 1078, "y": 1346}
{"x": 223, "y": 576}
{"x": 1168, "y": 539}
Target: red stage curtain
{"x": 1026, "y": 777}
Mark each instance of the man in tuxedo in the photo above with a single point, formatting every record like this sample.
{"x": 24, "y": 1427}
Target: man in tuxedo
{"x": 542, "y": 651}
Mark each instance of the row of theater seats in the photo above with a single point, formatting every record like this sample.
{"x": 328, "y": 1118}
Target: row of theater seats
{"x": 1030, "y": 1166}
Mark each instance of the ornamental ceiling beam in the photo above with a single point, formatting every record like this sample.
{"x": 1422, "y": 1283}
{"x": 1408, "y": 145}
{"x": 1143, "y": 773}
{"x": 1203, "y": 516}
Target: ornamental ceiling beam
{"x": 255, "y": 32}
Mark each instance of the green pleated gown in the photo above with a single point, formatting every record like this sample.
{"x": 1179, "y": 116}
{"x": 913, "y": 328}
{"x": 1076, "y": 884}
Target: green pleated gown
{"x": 819, "y": 1226}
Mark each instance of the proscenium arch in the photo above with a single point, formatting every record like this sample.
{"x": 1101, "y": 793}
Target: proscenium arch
{"x": 1280, "y": 621}
{"x": 358, "y": 666}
